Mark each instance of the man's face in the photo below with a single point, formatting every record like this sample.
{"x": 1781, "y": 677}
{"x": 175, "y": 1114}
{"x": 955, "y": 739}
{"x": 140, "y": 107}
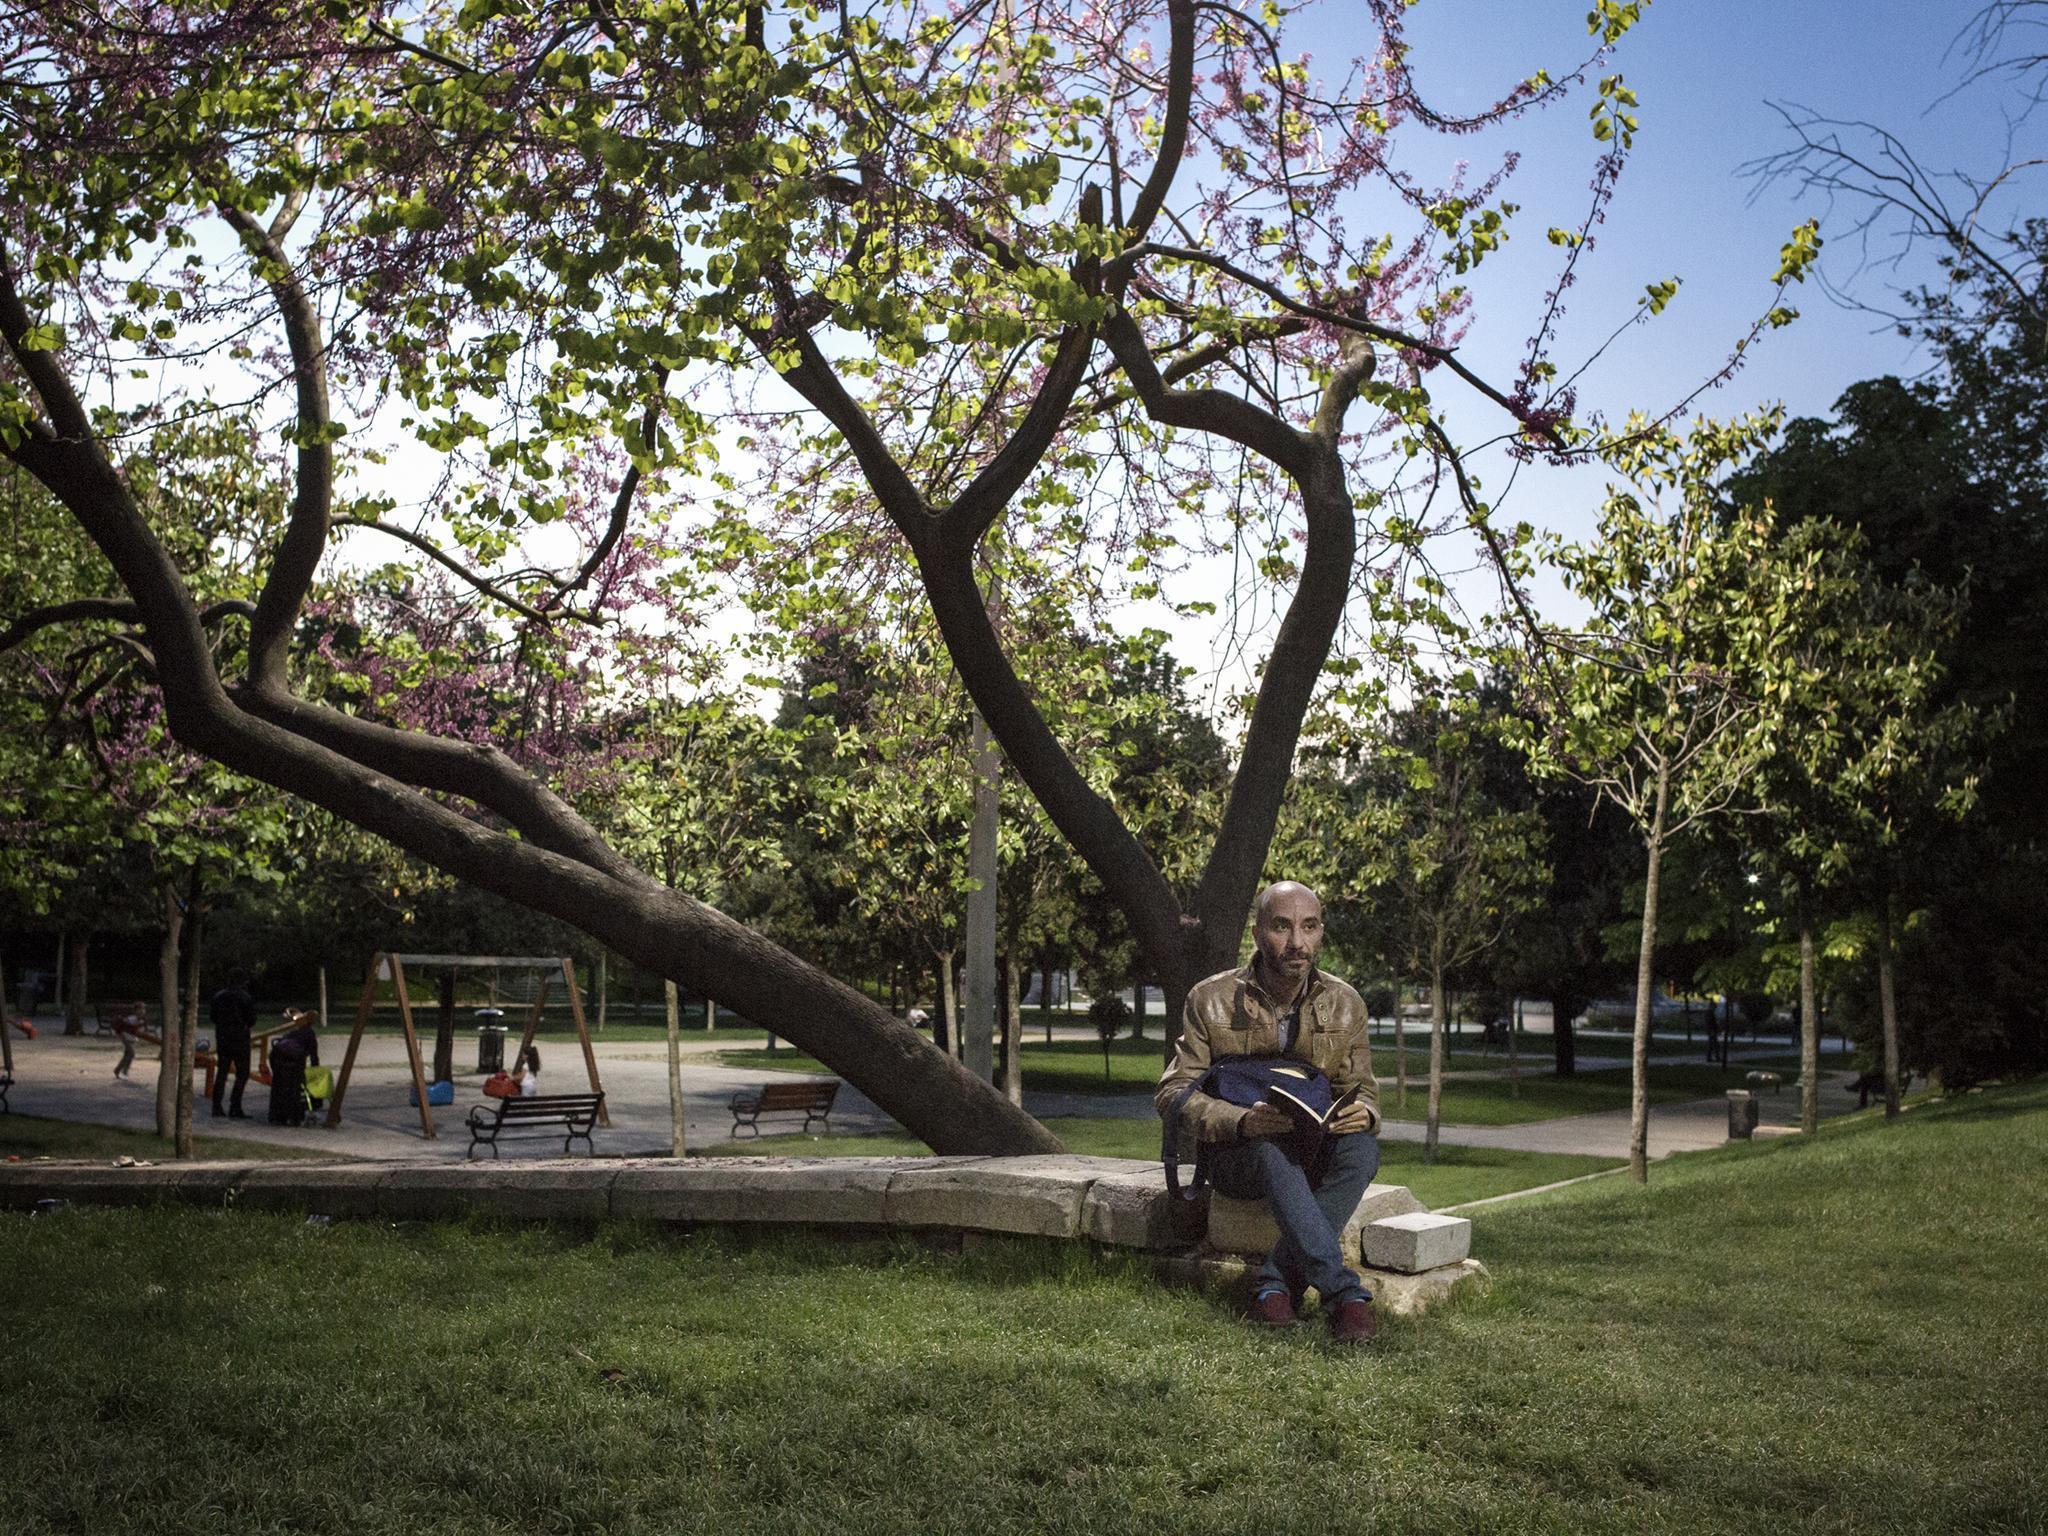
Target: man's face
{"x": 1288, "y": 934}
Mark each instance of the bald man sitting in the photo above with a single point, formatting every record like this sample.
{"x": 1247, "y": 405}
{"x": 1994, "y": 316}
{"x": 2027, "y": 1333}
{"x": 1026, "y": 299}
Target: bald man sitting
{"x": 1282, "y": 1006}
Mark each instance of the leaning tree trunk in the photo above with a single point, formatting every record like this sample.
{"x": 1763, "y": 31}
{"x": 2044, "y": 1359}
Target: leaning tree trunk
{"x": 1436, "y": 1061}
{"x": 1809, "y": 1035}
{"x": 672, "y": 1012}
{"x": 1888, "y": 1007}
{"x": 1639, "y": 1073}
{"x": 167, "y": 984}
{"x": 188, "y": 1023}
{"x": 75, "y": 955}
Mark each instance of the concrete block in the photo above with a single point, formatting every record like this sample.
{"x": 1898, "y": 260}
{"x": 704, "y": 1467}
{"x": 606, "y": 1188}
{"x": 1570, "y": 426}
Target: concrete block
{"x": 1415, "y": 1242}
{"x": 346, "y": 1190}
{"x": 527, "y": 1191}
{"x": 1035, "y": 1196}
{"x": 1401, "y": 1295}
{"x": 823, "y": 1191}
{"x": 1242, "y": 1226}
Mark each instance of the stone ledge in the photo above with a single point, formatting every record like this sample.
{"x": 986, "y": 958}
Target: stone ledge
{"x": 821, "y": 1191}
{"x": 1115, "y": 1202}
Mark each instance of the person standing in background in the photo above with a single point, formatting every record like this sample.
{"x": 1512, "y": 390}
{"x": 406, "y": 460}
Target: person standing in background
{"x": 234, "y": 1018}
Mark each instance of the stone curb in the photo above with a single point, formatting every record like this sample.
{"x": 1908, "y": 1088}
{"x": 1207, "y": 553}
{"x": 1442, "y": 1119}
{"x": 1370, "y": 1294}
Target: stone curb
{"x": 1115, "y": 1202}
{"x": 1111, "y": 1200}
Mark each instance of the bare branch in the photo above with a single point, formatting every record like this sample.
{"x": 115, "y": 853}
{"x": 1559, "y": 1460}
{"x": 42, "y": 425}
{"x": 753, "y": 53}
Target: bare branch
{"x": 107, "y": 610}
{"x": 482, "y": 584}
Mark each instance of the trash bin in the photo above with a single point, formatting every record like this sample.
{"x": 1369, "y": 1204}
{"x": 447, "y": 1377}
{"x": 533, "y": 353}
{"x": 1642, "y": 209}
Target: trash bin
{"x": 1742, "y": 1113}
{"x": 490, "y": 1040}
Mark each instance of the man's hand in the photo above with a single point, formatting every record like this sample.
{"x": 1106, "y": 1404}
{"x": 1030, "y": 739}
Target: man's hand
{"x": 1264, "y": 1120}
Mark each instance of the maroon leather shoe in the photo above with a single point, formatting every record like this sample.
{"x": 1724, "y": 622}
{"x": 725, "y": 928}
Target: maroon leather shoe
{"x": 1354, "y": 1321}
{"x": 1273, "y": 1309}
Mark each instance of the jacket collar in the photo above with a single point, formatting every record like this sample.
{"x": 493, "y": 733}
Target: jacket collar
{"x": 1252, "y": 975}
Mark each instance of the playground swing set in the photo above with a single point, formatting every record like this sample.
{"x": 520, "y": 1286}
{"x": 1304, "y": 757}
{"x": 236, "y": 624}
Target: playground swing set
{"x": 389, "y": 966}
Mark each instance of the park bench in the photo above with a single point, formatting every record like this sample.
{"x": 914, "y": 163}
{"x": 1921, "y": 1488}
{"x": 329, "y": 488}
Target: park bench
{"x": 574, "y": 1114}
{"x": 811, "y": 1100}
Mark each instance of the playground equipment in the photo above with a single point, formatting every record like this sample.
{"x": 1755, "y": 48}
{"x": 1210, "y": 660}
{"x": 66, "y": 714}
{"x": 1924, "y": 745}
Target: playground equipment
{"x": 384, "y": 965}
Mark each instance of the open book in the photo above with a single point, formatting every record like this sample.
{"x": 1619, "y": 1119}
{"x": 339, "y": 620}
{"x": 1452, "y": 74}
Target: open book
{"x": 1305, "y": 1114}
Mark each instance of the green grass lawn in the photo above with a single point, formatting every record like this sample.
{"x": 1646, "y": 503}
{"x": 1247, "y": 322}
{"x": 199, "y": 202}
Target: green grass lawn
{"x": 27, "y": 1136}
{"x": 558, "y": 1030}
{"x": 1075, "y": 1066}
{"x": 1841, "y": 1334}
{"x": 1544, "y": 1097}
{"x": 1460, "y": 1173}
{"x": 1068, "y": 1066}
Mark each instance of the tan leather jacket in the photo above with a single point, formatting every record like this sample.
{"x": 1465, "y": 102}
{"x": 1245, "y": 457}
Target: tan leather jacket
{"x": 1230, "y": 1014}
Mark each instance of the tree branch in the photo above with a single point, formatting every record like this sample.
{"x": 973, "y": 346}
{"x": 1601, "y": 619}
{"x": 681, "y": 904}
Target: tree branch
{"x": 1371, "y": 328}
{"x": 1173, "y": 137}
{"x": 298, "y": 552}
{"x": 650, "y": 428}
{"x": 1088, "y": 821}
{"x": 482, "y": 584}
{"x": 1204, "y": 409}
{"x": 977, "y": 507}
{"x": 812, "y": 377}
{"x": 108, "y": 610}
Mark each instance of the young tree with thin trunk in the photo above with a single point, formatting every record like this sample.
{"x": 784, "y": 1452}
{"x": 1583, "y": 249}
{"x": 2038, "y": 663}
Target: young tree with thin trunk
{"x": 1432, "y": 851}
{"x": 1669, "y": 699}
{"x": 1869, "y": 747}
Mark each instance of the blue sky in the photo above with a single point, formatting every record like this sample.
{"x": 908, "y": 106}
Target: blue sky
{"x": 1708, "y": 73}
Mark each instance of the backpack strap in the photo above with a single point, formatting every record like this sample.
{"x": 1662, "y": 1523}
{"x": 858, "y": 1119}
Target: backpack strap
{"x": 1169, "y": 1148}
{"x": 1169, "y": 1139}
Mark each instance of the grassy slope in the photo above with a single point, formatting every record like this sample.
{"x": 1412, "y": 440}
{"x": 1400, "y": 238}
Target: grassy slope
{"x": 27, "y": 1136}
{"x": 1838, "y": 1336}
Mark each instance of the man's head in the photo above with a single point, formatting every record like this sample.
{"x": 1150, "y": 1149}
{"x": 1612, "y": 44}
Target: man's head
{"x": 1287, "y": 927}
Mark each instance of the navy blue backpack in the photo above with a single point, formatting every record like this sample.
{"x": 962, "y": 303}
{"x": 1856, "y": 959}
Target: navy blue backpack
{"x": 1281, "y": 1081}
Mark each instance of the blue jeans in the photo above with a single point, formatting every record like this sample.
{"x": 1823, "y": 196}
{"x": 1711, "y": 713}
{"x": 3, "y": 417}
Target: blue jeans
{"x": 1270, "y": 1168}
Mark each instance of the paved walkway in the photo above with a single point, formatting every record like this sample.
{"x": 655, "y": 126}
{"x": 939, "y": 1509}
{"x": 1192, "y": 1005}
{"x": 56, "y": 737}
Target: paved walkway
{"x": 72, "y": 1079}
